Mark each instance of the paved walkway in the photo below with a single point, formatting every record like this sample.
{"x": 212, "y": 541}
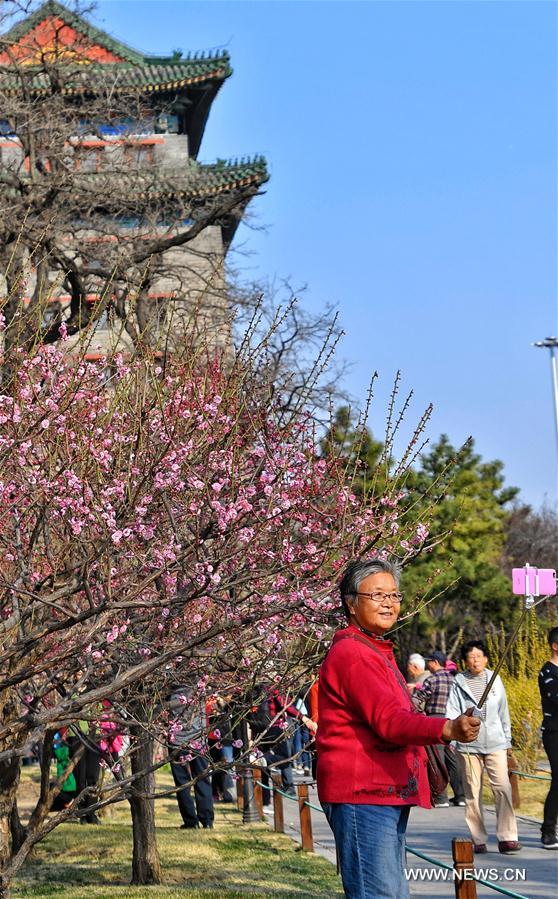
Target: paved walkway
{"x": 532, "y": 873}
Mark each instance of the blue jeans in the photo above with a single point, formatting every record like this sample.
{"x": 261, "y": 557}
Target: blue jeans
{"x": 300, "y": 739}
{"x": 370, "y": 842}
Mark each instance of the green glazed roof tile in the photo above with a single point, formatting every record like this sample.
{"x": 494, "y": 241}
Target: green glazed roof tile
{"x": 192, "y": 180}
{"x": 148, "y": 77}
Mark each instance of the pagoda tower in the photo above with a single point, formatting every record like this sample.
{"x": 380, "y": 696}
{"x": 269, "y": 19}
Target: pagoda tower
{"x": 118, "y": 232}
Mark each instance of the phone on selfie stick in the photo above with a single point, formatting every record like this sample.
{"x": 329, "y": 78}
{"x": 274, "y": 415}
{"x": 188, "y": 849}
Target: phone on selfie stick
{"x": 530, "y": 582}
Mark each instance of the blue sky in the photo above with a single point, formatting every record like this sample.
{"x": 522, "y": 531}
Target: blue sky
{"x": 412, "y": 148}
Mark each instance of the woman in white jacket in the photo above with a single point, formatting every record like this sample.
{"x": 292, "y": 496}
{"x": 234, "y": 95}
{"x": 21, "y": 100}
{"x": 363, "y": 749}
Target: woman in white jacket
{"x": 488, "y": 753}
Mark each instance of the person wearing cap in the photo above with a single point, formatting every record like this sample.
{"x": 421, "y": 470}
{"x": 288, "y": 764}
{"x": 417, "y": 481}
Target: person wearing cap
{"x": 372, "y": 766}
{"x": 432, "y": 699}
{"x": 488, "y": 753}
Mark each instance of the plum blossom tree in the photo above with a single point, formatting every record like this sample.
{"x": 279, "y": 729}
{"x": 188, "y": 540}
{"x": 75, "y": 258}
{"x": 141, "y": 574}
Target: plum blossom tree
{"x": 159, "y": 525}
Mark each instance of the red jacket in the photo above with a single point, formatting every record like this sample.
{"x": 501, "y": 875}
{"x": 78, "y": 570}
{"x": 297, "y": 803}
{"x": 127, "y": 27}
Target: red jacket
{"x": 370, "y": 736}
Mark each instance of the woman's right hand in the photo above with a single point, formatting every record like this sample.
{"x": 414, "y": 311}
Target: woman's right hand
{"x": 309, "y": 724}
{"x": 464, "y": 729}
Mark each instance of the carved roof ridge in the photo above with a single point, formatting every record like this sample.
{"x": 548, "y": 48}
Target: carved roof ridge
{"x": 53, "y": 8}
{"x": 98, "y": 36}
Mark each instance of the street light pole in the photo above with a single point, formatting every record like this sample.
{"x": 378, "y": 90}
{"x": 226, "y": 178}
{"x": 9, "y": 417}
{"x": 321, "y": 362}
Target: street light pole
{"x": 249, "y": 809}
{"x": 551, "y": 343}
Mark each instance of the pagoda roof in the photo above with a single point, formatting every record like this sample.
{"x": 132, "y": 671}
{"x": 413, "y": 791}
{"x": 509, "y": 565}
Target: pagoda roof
{"x": 54, "y": 32}
{"x": 218, "y": 178}
{"x": 192, "y": 180}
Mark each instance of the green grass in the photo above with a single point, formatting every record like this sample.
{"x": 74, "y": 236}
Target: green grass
{"x": 233, "y": 860}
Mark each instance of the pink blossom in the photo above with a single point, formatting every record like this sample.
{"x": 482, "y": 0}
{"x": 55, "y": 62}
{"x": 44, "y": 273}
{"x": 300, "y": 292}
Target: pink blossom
{"x": 200, "y": 522}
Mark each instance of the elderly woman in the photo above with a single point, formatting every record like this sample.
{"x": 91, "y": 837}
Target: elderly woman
{"x": 488, "y": 753}
{"x": 371, "y": 764}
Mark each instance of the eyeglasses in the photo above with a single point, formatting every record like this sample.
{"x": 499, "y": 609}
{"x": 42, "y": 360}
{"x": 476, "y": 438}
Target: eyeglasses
{"x": 382, "y": 597}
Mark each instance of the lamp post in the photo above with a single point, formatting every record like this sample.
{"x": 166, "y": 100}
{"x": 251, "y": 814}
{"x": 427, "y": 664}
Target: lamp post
{"x": 551, "y": 343}
{"x": 249, "y": 811}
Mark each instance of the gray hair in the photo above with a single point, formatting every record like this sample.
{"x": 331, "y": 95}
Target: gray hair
{"x": 416, "y": 659}
{"x": 356, "y": 572}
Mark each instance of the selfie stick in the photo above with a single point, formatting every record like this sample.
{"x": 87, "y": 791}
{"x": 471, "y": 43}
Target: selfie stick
{"x": 530, "y": 594}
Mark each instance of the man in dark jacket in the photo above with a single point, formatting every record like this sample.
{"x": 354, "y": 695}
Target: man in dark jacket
{"x": 188, "y": 757}
{"x": 548, "y": 686}
{"x": 432, "y": 699}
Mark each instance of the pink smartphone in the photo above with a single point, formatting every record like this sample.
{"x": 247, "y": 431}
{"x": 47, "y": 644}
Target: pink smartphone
{"x": 542, "y": 581}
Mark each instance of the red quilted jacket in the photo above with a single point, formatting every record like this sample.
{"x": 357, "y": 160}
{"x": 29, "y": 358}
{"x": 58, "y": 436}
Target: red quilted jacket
{"x": 370, "y": 737}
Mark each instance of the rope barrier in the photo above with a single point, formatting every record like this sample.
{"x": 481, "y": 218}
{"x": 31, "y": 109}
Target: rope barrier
{"x": 531, "y": 776}
{"x": 427, "y": 858}
{"x": 315, "y": 807}
{"x": 281, "y": 793}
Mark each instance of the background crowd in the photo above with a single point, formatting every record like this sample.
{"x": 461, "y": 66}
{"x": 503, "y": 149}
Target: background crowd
{"x": 204, "y": 742}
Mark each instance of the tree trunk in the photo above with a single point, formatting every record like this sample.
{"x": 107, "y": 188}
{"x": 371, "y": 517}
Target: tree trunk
{"x": 17, "y": 829}
{"x": 9, "y": 779}
{"x": 146, "y": 865}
